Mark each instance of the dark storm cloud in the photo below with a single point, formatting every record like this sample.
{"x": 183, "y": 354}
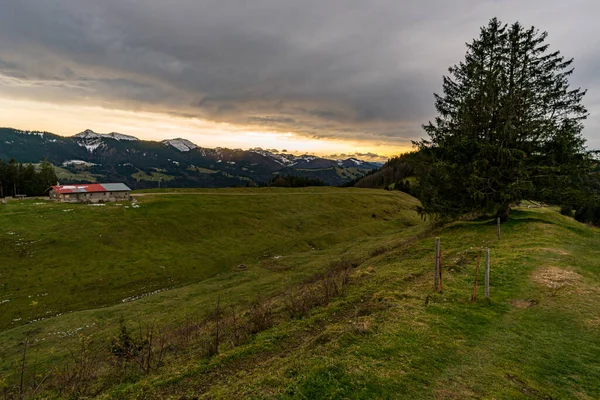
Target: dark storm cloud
{"x": 346, "y": 69}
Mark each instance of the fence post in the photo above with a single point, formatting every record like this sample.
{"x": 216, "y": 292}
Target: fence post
{"x": 487, "y": 273}
{"x": 441, "y": 267}
{"x": 498, "y": 228}
{"x": 474, "y": 295}
{"x": 436, "y": 273}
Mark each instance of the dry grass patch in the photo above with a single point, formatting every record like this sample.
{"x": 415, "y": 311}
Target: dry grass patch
{"x": 519, "y": 303}
{"x": 554, "y": 277}
{"x": 555, "y": 250}
{"x": 594, "y": 323}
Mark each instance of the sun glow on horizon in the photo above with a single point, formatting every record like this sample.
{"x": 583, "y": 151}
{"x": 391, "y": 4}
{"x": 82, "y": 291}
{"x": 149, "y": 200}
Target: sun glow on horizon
{"x": 67, "y": 120}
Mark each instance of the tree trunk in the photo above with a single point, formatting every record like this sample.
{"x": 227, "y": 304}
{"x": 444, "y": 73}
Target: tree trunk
{"x": 503, "y": 212}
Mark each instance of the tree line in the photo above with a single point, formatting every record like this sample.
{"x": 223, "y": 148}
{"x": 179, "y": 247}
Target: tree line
{"x": 25, "y": 179}
{"x": 393, "y": 174}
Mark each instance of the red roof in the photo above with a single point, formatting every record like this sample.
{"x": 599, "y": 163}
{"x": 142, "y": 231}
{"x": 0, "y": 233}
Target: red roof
{"x": 90, "y": 188}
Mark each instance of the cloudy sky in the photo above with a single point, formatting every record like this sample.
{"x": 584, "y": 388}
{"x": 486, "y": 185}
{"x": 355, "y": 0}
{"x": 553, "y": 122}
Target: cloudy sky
{"x": 325, "y": 76}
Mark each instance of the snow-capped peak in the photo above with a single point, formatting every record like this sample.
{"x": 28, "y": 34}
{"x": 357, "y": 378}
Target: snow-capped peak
{"x": 180, "y": 144}
{"x": 90, "y": 134}
{"x": 87, "y": 134}
{"x": 278, "y": 158}
{"x": 120, "y": 136}
{"x": 354, "y": 162}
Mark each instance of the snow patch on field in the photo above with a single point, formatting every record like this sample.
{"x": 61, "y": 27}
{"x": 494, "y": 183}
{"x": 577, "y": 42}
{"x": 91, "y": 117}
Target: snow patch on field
{"x": 78, "y": 162}
{"x": 133, "y": 298}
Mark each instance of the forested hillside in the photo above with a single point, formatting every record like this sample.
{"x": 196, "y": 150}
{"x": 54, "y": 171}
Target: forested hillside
{"x": 113, "y": 157}
{"x": 394, "y": 173}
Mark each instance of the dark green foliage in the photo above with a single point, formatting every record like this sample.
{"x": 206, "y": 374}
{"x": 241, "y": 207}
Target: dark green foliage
{"x": 587, "y": 205}
{"x": 123, "y": 346}
{"x": 403, "y": 186}
{"x": 19, "y": 179}
{"x": 588, "y": 213}
{"x": 567, "y": 211}
{"x": 508, "y": 128}
{"x": 395, "y": 171}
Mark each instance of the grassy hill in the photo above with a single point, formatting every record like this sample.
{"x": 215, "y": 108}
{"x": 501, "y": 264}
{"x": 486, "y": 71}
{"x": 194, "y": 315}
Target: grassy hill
{"x": 334, "y": 299}
{"x": 78, "y": 256}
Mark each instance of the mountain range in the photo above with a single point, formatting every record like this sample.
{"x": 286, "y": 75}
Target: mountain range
{"x": 97, "y": 157}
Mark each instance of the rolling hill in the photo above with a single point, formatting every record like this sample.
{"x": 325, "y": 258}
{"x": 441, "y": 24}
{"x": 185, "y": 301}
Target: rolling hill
{"x": 331, "y": 290}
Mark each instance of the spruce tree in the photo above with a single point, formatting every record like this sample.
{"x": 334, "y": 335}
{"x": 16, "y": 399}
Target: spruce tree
{"x": 508, "y": 127}
{"x": 47, "y": 175}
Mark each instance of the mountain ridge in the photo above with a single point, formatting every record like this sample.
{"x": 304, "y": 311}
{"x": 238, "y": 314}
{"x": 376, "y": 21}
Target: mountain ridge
{"x": 176, "y": 162}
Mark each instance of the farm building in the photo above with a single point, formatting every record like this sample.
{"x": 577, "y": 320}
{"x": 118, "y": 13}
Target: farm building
{"x": 92, "y": 193}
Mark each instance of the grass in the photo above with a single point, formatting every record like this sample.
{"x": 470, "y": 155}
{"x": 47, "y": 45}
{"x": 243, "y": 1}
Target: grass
{"x": 81, "y": 176}
{"x": 204, "y": 170}
{"x": 75, "y": 256}
{"x": 392, "y": 337}
{"x": 388, "y": 336}
{"x": 153, "y": 176}
{"x": 77, "y": 266}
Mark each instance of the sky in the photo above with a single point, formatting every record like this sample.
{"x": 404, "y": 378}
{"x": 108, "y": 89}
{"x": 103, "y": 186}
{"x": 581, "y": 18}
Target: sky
{"x": 325, "y": 77}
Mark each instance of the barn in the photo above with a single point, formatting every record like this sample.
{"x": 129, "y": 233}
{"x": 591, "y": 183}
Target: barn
{"x": 92, "y": 193}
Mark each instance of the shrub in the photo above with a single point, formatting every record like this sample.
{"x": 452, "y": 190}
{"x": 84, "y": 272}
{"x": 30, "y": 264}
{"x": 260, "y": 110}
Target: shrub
{"x": 566, "y": 210}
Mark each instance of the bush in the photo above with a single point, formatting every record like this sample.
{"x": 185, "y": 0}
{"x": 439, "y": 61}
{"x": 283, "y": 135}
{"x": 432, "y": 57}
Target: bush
{"x": 566, "y": 210}
{"x": 588, "y": 214}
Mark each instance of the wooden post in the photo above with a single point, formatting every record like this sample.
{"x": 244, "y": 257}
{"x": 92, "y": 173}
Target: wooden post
{"x": 487, "y": 273}
{"x": 436, "y": 273}
{"x": 474, "y": 295}
{"x": 498, "y": 228}
{"x": 440, "y": 268}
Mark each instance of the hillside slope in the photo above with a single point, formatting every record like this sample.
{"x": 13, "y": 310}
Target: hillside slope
{"x": 380, "y": 333}
{"x": 390, "y": 336}
{"x": 78, "y": 256}
{"x": 396, "y": 173}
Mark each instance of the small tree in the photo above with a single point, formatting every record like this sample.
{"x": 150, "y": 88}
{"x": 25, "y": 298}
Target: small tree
{"x": 508, "y": 127}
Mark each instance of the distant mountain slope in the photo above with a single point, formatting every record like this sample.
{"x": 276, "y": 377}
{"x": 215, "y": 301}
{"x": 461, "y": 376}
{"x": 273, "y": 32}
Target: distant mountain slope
{"x": 396, "y": 171}
{"x": 175, "y": 162}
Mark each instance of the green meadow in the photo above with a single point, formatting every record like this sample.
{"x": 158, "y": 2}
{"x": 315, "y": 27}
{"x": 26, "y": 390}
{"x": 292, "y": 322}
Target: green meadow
{"x": 69, "y": 257}
{"x": 71, "y": 272}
